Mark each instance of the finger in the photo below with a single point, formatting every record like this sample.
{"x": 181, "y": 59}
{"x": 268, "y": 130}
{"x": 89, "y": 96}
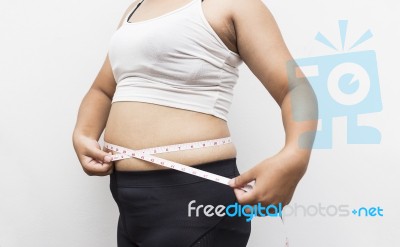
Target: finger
{"x": 244, "y": 197}
{"x": 108, "y": 159}
{"x": 109, "y": 172}
{"x": 243, "y": 180}
{"x": 99, "y": 172}
{"x": 89, "y": 173}
{"x": 99, "y": 154}
{"x": 96, "y": 167}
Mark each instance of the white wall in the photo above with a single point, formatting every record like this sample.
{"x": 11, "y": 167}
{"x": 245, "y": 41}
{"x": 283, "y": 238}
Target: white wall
{"x": 50, "y": 53}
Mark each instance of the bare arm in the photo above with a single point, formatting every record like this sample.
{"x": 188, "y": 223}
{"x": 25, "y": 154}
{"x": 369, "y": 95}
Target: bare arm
{"x": 96, "y": 104}
{"x": 262, "y": 48}
{"x": 92, "y": 118}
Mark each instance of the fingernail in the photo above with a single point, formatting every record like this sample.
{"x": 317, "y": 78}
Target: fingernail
{"x": 107, "y": 158}
{"x": 232, "y": 182}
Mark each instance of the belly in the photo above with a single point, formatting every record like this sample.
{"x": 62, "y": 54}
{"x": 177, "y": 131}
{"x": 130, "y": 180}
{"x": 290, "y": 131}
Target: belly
{"x": 138, "y": 125}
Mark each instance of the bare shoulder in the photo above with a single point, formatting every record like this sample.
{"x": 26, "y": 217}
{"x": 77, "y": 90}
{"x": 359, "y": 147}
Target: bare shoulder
{"x": 257, "y": 32}
{"x": 260, "y": 44}
{"x": 251, "y": 11}
{"x": 248, "y": 5}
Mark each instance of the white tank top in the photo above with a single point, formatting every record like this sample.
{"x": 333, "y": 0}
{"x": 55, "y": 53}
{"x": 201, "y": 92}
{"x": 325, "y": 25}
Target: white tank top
{"x": 175, "y": 60}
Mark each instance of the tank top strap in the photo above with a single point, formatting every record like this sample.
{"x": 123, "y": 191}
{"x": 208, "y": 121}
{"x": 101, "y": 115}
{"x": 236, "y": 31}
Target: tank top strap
{"x": 184, "y": 6}
{"x": 175, "y": 59}
{"x": 127, "y": 17}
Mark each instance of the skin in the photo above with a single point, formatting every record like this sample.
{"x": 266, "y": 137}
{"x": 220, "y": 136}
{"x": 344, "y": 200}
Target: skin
{"x": 262, "y": 49}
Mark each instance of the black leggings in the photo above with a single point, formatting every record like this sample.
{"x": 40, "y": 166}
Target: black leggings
{"x": 154, "y": 210}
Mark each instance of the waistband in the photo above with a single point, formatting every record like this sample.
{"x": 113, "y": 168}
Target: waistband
{"x": 171, "y": 177}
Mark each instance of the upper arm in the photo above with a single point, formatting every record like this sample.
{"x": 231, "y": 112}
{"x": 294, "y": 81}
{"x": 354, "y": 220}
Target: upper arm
{"x": 105, "y": 80}
{"x": 261, "y": 46}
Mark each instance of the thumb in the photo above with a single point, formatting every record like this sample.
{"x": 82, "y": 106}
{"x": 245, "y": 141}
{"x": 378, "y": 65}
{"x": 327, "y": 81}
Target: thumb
{"x": 99, "y": 155}
{"x": 242, "y": 180}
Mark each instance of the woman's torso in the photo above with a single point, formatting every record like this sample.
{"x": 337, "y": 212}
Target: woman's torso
{"x": 139, "y": 125}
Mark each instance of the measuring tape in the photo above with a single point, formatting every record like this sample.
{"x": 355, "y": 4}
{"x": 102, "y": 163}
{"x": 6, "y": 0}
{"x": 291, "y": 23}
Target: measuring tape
{"x": 148, "y": 155}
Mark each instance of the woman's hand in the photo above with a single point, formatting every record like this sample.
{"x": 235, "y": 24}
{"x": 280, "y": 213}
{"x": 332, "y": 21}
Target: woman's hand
{"x": 261, "y": 46}
{"x": 275, "y": 178}
{"x": 94, "y": 161}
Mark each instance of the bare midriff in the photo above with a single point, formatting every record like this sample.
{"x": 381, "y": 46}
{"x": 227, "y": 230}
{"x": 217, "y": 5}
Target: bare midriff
{"x": 138, "y": 125}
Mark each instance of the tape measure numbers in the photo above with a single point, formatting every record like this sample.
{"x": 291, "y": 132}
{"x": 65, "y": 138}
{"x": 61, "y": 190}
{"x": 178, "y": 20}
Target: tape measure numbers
{"x": 148, "y": 155}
